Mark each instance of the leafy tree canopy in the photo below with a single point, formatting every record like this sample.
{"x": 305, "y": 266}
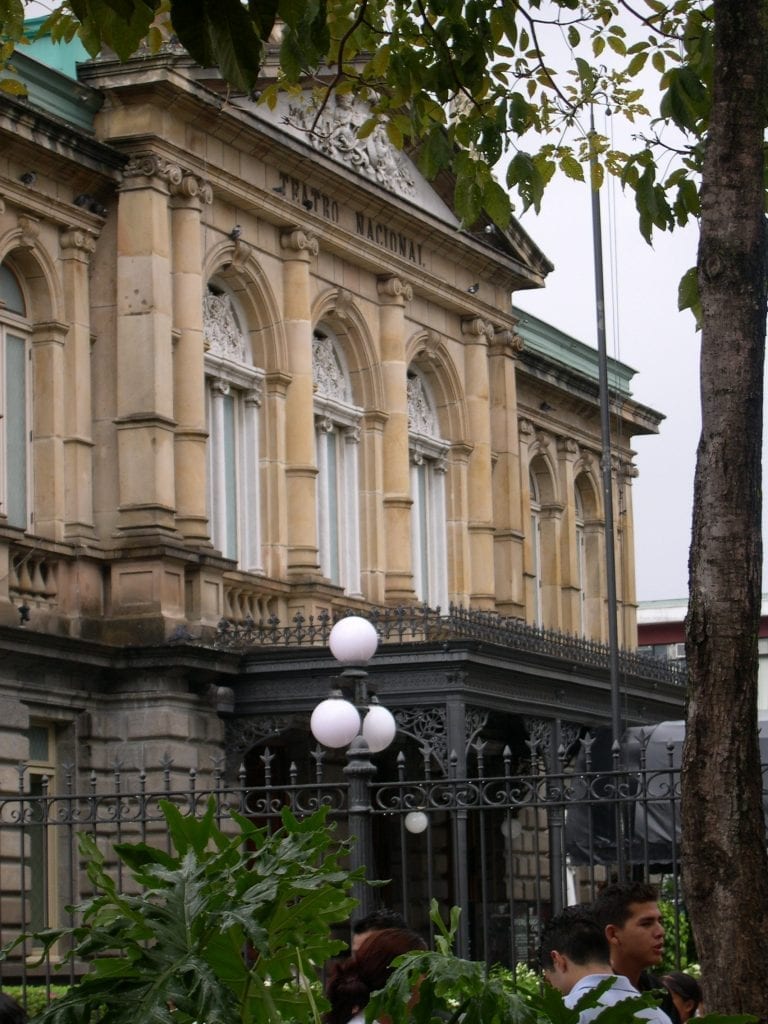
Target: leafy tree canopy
{"x": 468, "y": 82}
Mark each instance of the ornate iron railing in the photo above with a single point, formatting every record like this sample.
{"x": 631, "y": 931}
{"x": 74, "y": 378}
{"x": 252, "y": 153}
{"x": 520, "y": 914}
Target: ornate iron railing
{"x": 422, "y": 624}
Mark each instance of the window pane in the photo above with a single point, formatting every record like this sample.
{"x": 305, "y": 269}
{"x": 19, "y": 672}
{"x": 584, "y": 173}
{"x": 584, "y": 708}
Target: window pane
{"x": 10, "y": 293}
{"x": 16, "y": 431}
{"x": 333, "y": 505}
{"x": 230, "y": 477}
{"x": 38, "y": 743}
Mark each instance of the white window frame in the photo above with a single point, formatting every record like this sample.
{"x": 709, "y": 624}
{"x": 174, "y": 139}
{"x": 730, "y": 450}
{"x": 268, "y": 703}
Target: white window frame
{"x": 14, "y": 326}
{"x": 429, "y": 542}
{"x": 581, "y": 569}
{"x": 337, "y": 437}
{"x": 535, "y": 501}
{"x": 233, "y": 485}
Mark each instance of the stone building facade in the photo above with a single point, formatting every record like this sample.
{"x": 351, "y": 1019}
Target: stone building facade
{"x": 253, "y": 372}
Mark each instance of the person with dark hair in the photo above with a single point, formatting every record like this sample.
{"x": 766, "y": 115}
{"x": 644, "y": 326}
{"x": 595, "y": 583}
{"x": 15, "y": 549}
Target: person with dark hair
{"x": 629, "y": 913}
{"x": 11, "y": 1012}
{"x": 686, "y": 994}
{"x": 376, "y": 921}
{"x": 352, "y": 981}
{"x": 575, "y": 958}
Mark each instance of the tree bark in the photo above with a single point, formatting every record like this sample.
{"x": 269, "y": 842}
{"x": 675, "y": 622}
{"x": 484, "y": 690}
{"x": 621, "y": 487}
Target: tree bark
{"x": 723, "y": 832}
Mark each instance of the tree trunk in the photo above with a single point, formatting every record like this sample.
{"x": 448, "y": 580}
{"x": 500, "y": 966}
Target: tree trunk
{"x": 723, "y": 831}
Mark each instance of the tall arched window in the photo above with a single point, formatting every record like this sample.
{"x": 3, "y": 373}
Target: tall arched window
{"x": 233, "y": 397}
{"x": 536, "y": 549}
{"x": 337, "y": 434}
{"x": 581, "y": 575}
{"x": 428, "y": 513}
{"x": 15, "y": 403}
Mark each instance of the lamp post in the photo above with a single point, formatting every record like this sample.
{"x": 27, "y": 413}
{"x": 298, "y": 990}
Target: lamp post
{"x": 361, "y": 724}
{"x": 337, "y": 720}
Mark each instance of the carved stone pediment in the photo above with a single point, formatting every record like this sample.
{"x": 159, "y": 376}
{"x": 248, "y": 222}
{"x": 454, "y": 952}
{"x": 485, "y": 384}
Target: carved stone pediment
{"x": 334, "y": 133}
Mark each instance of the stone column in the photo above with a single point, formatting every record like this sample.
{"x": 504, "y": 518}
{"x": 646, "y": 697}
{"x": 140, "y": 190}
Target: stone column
{"x": 393, "y": 294}
{"x": 188, "y": 197}
{"x": 478, "y": 334}
{"x": 77, "y": 247}
{"x": 508, "y": 543}
{"x": 145, "y": 423}
{"x": 301, "y": 472}
{"x": 48, "y": 356}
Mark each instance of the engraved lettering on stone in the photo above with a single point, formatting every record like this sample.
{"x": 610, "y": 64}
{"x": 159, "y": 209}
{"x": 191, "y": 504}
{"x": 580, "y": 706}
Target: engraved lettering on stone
{"x": 220, "y": 328}
{"x": 335, "y": 133}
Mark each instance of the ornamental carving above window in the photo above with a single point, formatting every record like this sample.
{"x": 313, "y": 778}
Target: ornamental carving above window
{"x": 421, "y": 418}
{"x": 328, "y": 375}
{"x": 221, "y": 330}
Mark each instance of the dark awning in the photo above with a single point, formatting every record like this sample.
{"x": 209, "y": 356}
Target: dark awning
{"x": 642, "y": 797}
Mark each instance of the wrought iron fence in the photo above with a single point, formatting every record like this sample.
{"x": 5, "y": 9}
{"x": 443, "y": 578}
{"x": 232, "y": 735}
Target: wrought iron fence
{"x": 509, "y": 849}
{"x": 413, "y": 624}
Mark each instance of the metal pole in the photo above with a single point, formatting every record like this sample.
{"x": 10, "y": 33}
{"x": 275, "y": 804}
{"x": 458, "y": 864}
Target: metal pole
{"x": 605, "y": 432}
{"x": 360, "y": 771}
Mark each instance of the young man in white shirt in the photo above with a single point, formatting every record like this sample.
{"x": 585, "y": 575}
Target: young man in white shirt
{"x": 575, "y": 958}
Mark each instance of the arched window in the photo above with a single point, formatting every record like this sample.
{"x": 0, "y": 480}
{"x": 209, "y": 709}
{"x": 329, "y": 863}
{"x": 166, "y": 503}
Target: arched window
{"x": 536, "y": 549}
{"x": 15, "y": 403}
{"x": 337, "y": 435}
{"x": 233, "y": 397}
{"x": 428, "y": 513}
{"x": 581, "y": 575}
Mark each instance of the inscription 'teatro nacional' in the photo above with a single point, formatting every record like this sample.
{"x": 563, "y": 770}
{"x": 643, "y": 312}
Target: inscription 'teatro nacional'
{"x": 387, "y": 238}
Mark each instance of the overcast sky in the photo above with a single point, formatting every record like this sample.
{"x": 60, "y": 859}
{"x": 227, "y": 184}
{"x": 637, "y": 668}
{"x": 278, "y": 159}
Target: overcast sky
{"x": 644, "y": 330}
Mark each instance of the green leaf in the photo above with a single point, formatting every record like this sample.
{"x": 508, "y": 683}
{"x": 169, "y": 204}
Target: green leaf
{"x": 688, "y": 295}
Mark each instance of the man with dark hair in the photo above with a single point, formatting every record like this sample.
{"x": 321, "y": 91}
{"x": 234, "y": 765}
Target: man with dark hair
{"x": 376, "y": 921}
{"x": 575, "y": 958}
{"x": 629, "y": 913}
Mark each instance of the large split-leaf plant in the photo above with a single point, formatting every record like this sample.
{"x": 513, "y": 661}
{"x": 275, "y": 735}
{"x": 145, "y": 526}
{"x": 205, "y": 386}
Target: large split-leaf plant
{"x": 230, "y": 926}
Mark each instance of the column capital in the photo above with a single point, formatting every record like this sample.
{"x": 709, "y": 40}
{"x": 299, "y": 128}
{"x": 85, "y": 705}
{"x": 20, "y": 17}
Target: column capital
{"x": 395, "y": 289}
{"x": 300, "y": 243}
{"x": 506, "y": 341}
{"x": 481, "y": 331}
{"x": 189, "y": 190}
{"x": 77, "y": 244}
{"x": 568, "y": 448}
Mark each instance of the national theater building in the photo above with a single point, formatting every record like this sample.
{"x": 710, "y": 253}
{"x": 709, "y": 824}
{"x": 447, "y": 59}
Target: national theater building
{"x": 252, "y": 377}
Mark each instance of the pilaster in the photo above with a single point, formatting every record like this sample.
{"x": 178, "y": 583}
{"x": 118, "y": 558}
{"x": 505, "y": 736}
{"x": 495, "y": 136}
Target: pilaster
{"x": 393, "y": 295}
{"x": 299, "y": 248}
{"x": 145, "y": 407}
{"x": 76, "y": 249}
{"x": 48, "y": 358}
{"x": 188, "y": 197}
{"x": 477, "y": 336}
{"x": 507, "y": 493}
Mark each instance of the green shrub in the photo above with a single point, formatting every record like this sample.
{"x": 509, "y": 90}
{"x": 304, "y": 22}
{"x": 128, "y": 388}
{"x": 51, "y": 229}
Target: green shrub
{"x": 228, "y": 928}
{"x": 35, "y": 998}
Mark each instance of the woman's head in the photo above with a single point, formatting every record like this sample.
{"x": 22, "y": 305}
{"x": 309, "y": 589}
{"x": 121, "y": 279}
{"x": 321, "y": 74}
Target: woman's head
{"x": 352, "y": 980}
{"x": 685, "y": 991}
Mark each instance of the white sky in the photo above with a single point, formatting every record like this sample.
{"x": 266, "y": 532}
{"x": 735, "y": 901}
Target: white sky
{"x": 644, "y": 330}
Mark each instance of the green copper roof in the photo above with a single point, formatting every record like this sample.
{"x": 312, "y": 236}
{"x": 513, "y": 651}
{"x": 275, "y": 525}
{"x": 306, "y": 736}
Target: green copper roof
{"x": 62, "y": 57}
{"x": 562, "y": 348}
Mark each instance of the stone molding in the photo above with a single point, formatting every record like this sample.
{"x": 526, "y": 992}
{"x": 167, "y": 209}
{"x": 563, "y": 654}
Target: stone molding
{"x": 300, "y": 243}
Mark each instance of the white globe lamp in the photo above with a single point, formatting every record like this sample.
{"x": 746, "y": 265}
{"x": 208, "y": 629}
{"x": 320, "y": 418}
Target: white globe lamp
{"x": 416, "y": 822}
{"x": 379, "y": 728}
{"x": 353, "y": 640}
{"x": 335, "y": 722}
